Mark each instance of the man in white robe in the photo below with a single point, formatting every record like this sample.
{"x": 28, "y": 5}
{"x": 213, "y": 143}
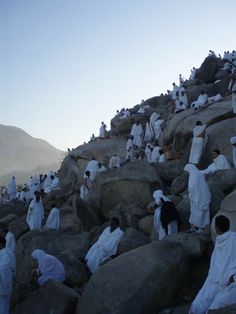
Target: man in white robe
{"x": 201, "y": 101}
{"x": 49, "y": 267}
{"x": 148, "y": 152}
{"x": 92, "y": 138}
{"x": 48, "y": 181}
{"x": 232, "y": 89}
{"x": 141, "y": 110}
{"x": 153, "y": 119}
{"x": 193, "y": 73}
{"x": 114, "y": 162}
{"x": 197, "y": 143}
{"x": 148, "y": 136}
{"x": 125, "y": 115}
{"x": 233, "y": 143}
{"x": 11, "y": 188}
{"x": 219, "y": 162}
{"x": 102, "y": 131}
{"x": 200, "y": 198}
{"x": 129, "y": 149}
{"x": 7, "y": 266}
{"x": 158, "y": 130}
{"x": 137, "y": 132}
{"x": 215, "y": 98}
{"x": 105, "y": 247}
{"x": 55, "y": 185}
{"x": 219, "y": 289}
{"x": 155, "y": 153}
{"x": 53, "y": 221}
{"x": 10, "y": 239}
{"x": 92, "y": 167}
{"x": 172, "y": 226}
{"x": 184, "y": 99}
{"x": 86, "y": 186}
{"x": 175, "y": 89}
{"x": 35, "y": 213}
{"x": 162, "y": 156}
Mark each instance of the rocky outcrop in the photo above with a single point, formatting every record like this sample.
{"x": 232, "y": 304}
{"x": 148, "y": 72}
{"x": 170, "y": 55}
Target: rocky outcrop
{"x": 53, "y": 297}
{"x": 231, "y": 309}
{"x": 208, "y": 70}
{"x": 132, "y": 240}
{"x": 129, "y": 287}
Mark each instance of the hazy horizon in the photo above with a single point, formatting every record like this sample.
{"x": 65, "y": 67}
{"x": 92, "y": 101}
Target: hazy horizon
{"x": 67, "y": 66}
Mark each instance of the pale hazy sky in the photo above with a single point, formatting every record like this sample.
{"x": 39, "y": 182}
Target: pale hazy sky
{"x": 67, "y": 65}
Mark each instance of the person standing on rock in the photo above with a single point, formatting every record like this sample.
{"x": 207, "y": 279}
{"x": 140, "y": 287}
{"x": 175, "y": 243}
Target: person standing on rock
{"x": 105, "y": 247}
{"x": 137, "y": 132}
{"x": 54, "y": 186}
{"x": 232, "y": 89}
{"x": 114, "y": 162}
{"x": 148, "y": 152}
{"x": 219, "y": 162}
{"x": 7, "y": 265}
{"x": 197, "y": 143}
{"x": 155, "y": 153}
{"x": 11, "y": 188}
{"x": 86, "y": 186}
{"x": 129, "y": 149}
{"x": 10, "y": 239}
{"x": 219, "y": 289}
{"x": 49, "y": 267}
{"x": 102, "y": 131}
{"x": 166, "y": 216}
{"x": 233, "y": 143}
{"x": 200, "y": 198}
{"x": 35, "y": 213}
{"x": 92, "y": 167}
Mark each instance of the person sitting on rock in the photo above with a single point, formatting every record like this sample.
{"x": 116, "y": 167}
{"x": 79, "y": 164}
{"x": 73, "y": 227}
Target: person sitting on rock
{"x": 35, "y": 214}
{"x": 162, "y": 156}
{"x": 92, "y": 138}
{"x": 201, "y": 101}
{"x": 215, "y": 98}
{"x": 233, "y": 143}
{"x": 101, "y": 168}
{"x": 219, "y": 289}
{"x": 125, "y": 114}
{"x": 137, "y": 132}
{"x": 7, "y": 266}
{"x": 197, "y": 143}
{"x": 166, "y": 216}
{"x": 219, "y": 162}
{"x": 155, "y": 153}
{"x": 86, "y": 186}
{"x": 53, "y": 221}
{"x": 55, "y": 185}
{"x": 114, "y": 162}
{"x": 105, "y": 247}
{"x": 200, "y": 198}
{"x": 49, "y": 267}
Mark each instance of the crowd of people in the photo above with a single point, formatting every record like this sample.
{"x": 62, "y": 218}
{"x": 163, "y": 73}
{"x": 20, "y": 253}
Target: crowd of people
{"x": 146, "y": 143}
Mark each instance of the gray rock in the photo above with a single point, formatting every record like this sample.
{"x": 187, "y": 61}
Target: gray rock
{"x": 129, "y": 287}
{"x": 15, "y": 207}
{"x": 221, "y": 74}
{"x": 132, "y": 240}
{"x": 183, "y": 208}
{"x": 208, "y": 70}
{"x": 170, "y": 169}
{"x": 194, "y": 91}
{"x": 53, "y": 297}
{"x": 183, "y": 309}
{"x": 194, "y": 245}
{"x": 221, "y": 87}
{"x": 71, "y": 246}
{"x": 146, "y": 224}
{"x": 18, "y": 227}
{"x": 8, "y": 219}
{"x": 179, "y": 184}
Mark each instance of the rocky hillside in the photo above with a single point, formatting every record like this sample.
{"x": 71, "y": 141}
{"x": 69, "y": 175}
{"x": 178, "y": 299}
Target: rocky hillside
{"x": 148, "y": 276}
{"x": 20, "y": 152}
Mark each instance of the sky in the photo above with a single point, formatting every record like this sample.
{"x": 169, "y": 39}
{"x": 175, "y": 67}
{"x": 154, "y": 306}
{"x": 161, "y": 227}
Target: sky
{"x": 67, "y": 65}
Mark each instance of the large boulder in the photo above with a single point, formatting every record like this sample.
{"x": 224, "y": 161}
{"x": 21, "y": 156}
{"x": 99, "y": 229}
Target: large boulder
{"x": 18, "y": 227}
{"x": 126, "y": 191}
{"x": 208, "y": 70}
{"x": 194, "y": 91}
{"x": 132, "y": 240}
{"x": 123, "y": 126}
{"x": 170, "y": 169}
{"x": 221, "y": 86}
{"x": 15, "y": 207}
{"x": 134, "y": 282}
{"x": 194, "y": 245}
{"x": 145, "y": 224}
{"x": 179, "y": 184}
{"x": 68, "y": 247}
{"x": 53, "y": 297}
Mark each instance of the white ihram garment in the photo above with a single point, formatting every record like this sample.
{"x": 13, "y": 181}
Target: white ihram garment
{"x": 137, "y": 132}
{"x": 53, "y": 221}
{"x": 155, "y": 154}
{"x": 197, "y": 144}
{"x": 105, "y": 247}
{"x": 232, "y": 87}
{"x": 54, "y": 186}
{"x": 199, "y": 196}
{"x": 92, "y": 167}
{"x": 35, "y": 215}
{"x": 11, "y": 189}
{"x": 10, "y": 241}
{"x": 219, "y": 163}
{"x": 233, "y": 141}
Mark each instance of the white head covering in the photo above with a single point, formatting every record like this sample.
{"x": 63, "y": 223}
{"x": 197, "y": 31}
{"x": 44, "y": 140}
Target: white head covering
{"x": 157, "y": 195}
{"x": 197, "y": 187}
{"x": 233, "y": 140}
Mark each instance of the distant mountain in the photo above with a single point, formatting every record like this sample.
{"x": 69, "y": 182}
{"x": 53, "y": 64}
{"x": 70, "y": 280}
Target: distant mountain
{"x": 22, "y": 153}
